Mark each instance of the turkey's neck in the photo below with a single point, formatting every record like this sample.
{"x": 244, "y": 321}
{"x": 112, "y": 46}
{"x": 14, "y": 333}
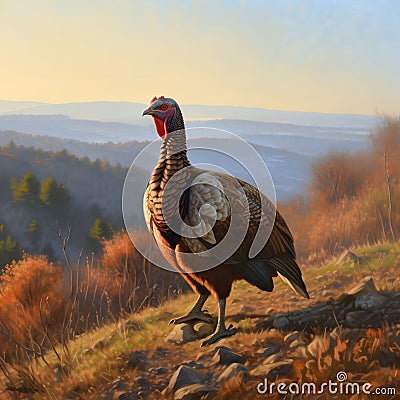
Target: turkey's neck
{"x": 173, "y": 157}
{"x": 173, "y": 152}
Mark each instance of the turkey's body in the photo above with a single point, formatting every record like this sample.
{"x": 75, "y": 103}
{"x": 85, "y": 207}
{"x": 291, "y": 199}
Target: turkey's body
{"x": 180, "y": 192}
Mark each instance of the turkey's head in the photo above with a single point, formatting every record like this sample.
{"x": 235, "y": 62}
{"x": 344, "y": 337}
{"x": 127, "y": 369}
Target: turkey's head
{"x": 166, "y": 114}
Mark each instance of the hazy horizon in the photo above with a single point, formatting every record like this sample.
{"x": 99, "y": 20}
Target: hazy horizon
{"x": 144, "y": 103}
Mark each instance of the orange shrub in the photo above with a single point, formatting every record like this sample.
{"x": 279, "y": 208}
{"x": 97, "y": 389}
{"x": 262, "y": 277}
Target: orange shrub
{"x": 125, "y": 281}
{"x": 31, "y": 303}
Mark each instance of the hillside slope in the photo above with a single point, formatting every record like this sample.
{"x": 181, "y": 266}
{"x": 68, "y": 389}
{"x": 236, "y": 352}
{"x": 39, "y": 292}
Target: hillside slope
{"x": 351, "y": 324}
{"x": 94, "y": 189}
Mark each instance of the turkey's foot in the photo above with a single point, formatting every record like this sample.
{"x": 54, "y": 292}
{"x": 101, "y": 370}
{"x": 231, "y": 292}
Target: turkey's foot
{"x": 191, "y": 316}
{"x": 219, "y": 334}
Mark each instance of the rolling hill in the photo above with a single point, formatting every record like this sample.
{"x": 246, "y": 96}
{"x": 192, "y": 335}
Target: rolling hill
{"x": 130, "y": 112}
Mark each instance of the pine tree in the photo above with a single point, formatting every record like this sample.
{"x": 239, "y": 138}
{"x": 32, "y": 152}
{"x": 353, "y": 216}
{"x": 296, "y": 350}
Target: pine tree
{"x": 11, "y": 246}
{"x": 9, "y": 249}
{"x": 34, "y": 234}
{"x": 33, "y": 226}
{"x": 53, "y": 194}
{"x": 99, "y": 232}
{"x": 26, "y": 190}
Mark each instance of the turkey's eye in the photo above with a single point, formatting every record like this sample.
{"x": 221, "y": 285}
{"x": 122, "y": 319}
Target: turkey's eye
{"x": 163, "y": 107}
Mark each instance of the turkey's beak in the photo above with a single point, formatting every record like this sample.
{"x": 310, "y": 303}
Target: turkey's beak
{"x": 147, "y": 111}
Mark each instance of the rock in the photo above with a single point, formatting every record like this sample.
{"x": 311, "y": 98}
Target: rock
{"x": 183, "y": 376}
{"x": 181, "y": 334}
{"x": 269, "y": 350}
{"x": 290, "y": 337}
{"x": 193, "y": 364}
{"x": 347, "y": 256}
{"x": 225, "y": 356}
{"x": 184, "y": 333}
{"x": 197, "y": 391}
{"x": 340, "y": 316}
{"x": 365, "y": 296}
{"x": 234, "y": 371}
{"x": 370, "y": 301}
{"x": 271, "y": 370}
{"x": 280, "y": 322}
{"x": 356, "y": 318}
{"x": 204, "y": 329}
{"x": 137, "y": 359}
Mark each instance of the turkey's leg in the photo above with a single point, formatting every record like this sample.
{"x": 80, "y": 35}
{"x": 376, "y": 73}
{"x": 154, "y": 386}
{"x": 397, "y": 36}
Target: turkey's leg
{"x": 221, "y": 331}
{"x": 195, "y": 313}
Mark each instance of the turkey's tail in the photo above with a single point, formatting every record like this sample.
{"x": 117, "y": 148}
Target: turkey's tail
{"x": 287, "y": 268}
{"x": 257, "y": 273}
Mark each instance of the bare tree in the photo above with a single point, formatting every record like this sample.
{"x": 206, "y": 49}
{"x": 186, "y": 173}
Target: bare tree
{"x": 389, "y": 190}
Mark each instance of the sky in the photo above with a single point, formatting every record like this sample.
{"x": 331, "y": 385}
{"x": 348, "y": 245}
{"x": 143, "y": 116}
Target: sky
{"x": 328, "y": 56}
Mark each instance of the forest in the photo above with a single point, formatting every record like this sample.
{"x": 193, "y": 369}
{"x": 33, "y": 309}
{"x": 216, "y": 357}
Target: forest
{"x": 44, "y": 194}
{"x": 118, "y": 154}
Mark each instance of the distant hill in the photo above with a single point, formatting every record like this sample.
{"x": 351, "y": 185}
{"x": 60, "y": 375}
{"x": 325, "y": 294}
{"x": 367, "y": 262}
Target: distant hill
{"x": 65, "y": 127}
{"x": 309, "y": 140}
{"x": 290, "y": 170}
{"x": 130, "y": 112}
{"x": 14, "y": 106}
{"x": 306, "y": 140}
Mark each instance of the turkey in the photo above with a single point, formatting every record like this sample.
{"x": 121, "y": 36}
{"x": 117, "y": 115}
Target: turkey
{"x": 204, "y": 204}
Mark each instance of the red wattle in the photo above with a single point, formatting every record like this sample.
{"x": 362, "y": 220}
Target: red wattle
{"x": 161, "y": 128}
{"x": 161, "y": 125}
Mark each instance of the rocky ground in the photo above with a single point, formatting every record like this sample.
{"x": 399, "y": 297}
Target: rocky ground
{"x": 350, "y": 325}
{"x": 305, "y": 345}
